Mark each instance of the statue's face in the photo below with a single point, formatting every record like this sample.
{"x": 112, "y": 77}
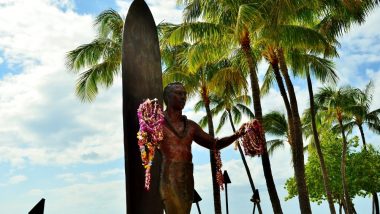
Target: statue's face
{"x": 177, "y": 97}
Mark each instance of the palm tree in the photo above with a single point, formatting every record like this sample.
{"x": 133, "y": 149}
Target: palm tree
{"x": 322, "y": 69}
{"x": 223, "y": 22}
{"x": 363, "y": 116}
{"x": 232, "y": 106}
{"x": 230, "y": 95}
{"x": 196, "y": 82}
{"x": 337, "y": 17}
{"x": 338, "y": 102}
{"x": 281, "y": 32}
{"x": 276, "y": 124}
{"x": 101, "y": 58}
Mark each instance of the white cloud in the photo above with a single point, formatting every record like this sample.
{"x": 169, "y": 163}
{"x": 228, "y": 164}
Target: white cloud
{"x": 67, "y": 177}
{"x": 99, "y": 198}
{"x": 113, "y": 172}
{"x": 360, "y": 48}
{"x": 162, "y": 11}
{"x": 40, "y": 32}
{"x": 42, "y": 121}
{"x": 88, "y": 198}
{"x": 17, "y": 179}
{"x": 91, "y": 177}
{"x": 1, "y": 60}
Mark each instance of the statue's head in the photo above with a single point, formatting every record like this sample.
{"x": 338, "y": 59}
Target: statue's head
{"x": 175, "y": 95}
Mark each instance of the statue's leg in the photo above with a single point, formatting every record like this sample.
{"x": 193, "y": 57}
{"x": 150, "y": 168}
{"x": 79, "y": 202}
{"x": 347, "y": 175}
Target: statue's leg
{"x": 177, "y": 186}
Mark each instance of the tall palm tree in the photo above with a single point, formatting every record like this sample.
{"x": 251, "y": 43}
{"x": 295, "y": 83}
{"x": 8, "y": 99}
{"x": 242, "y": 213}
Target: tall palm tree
{"x": 101, "y": 58}
{"x": 223, "y": 22}
{"x": 338, "y": 103}
{"x": 281, "y": 32}
{"x": 362, "y": 114}
{"x": 322, "y": 69}
{"x": 177, "y": 60}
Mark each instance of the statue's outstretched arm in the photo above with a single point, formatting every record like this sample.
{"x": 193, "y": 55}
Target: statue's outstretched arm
{"x": 206, "y": 140}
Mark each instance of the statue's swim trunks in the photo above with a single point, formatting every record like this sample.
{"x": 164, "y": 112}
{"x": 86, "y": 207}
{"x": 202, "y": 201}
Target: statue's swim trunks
{"x": 177, "y": 187}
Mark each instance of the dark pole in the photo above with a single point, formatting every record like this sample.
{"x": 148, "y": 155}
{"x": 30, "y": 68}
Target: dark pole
{"x": 256, "y": 201}
{"x": 250, "y": 180}
{"x": 226, "y": 180}
{"x": 197, "y": 198}
{"x": 246, "y": 166}
{"x": 199, "y": 209}
{"x": 225, "y": 185}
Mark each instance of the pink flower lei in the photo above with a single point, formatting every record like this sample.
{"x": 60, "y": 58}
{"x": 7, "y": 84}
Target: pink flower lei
{"x": 219, "y": 174}
{"x": 253, "y": 139}
{"x": 151, "y": 120}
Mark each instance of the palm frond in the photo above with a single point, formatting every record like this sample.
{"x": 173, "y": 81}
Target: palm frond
{"x": 203, "y": 122}
{"x": 275, "y": 123}
{"x": 245, "y": 110}
{"x": 88, "y": 54}
{"x": 199, "y": 105}
{"x": 268, "y": 82}
{"x": 274, "y": 145}
{"x": 222, "y": 121}
{"x": 236, "y": 114}
{"x": 110, "y": 24}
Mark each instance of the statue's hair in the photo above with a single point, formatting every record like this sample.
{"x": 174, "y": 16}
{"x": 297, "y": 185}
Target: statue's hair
{"x": 168, "y": 89}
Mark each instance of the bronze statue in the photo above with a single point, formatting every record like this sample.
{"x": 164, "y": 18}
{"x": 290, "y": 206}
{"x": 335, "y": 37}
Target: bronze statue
{"x": 176, "y": 181}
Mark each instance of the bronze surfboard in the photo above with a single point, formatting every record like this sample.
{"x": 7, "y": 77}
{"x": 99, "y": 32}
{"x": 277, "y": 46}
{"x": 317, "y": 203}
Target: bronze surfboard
{"x": 142, "y": 78}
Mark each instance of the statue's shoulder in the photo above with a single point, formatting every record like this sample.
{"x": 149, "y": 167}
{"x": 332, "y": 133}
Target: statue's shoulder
{"x": 191, "y": 123}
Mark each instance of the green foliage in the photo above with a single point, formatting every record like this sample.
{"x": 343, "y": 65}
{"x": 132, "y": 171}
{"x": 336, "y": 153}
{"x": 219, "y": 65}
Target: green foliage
{"x": 100, "y": 59}
{"x": 276, "y": 124}
{"x": 366, "y": 174}
{"x": 363, "y": 174}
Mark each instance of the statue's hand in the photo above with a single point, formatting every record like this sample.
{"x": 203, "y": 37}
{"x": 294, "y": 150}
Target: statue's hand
{"x": 242, "y": 130}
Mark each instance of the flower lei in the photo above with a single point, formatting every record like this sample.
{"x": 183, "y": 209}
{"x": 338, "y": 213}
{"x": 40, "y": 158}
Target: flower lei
{"x": 253, "y": 143}
{"x": 219, "y": 174}
{"x": 151, "y": 120}
{"x": 253, "y": 139}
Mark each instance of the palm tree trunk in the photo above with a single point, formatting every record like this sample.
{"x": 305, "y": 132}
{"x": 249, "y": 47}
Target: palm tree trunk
{"x": 362, "y": 135}
{"x": 347, "y": 199}
{"x": 325, "y": 176}
{"x": 375, "y": 202}
{"x": 244, "y": 162}
{"x": 280, "y": 83}
{"x": 245, "y": 45}
{"x": 297, "y": 152}
{"x": 216, "y": 190}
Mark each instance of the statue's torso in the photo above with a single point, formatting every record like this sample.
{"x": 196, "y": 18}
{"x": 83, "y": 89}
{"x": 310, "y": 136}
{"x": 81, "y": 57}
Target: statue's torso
{"x": 176, "y": 148}
{"x": 177, "y": 182}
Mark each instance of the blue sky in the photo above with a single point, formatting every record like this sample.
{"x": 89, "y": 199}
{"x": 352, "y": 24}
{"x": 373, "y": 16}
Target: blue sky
{"x": 70, "y": 153}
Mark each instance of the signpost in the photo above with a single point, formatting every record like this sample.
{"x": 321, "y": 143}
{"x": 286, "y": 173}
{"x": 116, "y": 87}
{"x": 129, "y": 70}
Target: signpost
{"x": 38, "y": 208}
